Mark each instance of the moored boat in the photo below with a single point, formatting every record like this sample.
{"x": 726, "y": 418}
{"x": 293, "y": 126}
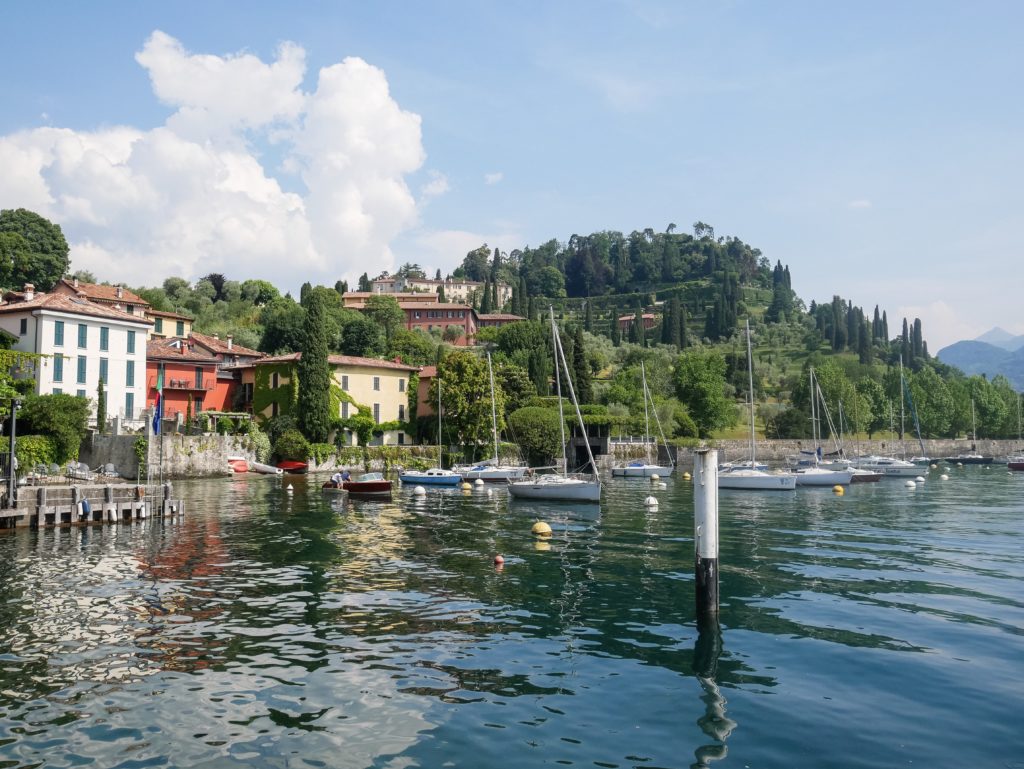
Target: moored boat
{"x": 366, "y": 486}
{"x": 435, "y": 476}
{"x": 889, "y": 467}
{"x": 238, "y": 464}
{"x": 647, "y": 468}
{"x": 293, "y": 466}
{"x": 259, "y": 467}
{"x": 1015, "y": 463}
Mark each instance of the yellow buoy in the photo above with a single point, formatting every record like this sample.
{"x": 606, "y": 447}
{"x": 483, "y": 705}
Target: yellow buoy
{"x": 466, "y": 487}
{"x": 686, "y": 476}
{"x": 839, "y": 490}
{"x": 541, "y": 529}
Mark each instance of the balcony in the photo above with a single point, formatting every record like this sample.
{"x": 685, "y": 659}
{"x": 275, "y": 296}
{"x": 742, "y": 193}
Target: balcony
{"x": 173, "y": 383}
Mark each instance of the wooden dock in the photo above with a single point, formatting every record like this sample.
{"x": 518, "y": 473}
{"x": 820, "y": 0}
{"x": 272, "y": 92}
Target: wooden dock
{"x": 46, "y": 506}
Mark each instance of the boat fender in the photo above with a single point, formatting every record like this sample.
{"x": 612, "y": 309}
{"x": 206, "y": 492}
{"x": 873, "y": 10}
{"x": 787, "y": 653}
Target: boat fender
{"x": 86, "y": 507}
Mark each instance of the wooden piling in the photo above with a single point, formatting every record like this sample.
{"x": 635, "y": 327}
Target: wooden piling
{"x": 705, "y": 534}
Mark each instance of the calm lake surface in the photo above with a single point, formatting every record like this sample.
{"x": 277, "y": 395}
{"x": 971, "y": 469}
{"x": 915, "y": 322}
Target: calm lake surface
{"x": 882, "y": 628}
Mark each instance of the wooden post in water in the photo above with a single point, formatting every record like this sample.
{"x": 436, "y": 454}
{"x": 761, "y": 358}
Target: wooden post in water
{"x": 705, "y": 530}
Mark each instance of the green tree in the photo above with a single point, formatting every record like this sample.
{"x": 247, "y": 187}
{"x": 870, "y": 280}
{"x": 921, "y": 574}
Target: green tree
{"x": 700, "y": 386}
{"x": 46, "y": 259}
{"x": 259, "y": 292}
{"x": 314, "y": 373}
{"x": 64, "y": 418}
{"x": 581, "y": 369}
{"x": 282, "y": 320}
{"x": 386, "y": 313}
{"x": 413, "y": 346}
{"x": 361, "y": 337}
{"x": 538, "y": 433}
{"x": 466, "y": 398}
{"x": 291, "y": 445}
{"x": 101, "y": 408}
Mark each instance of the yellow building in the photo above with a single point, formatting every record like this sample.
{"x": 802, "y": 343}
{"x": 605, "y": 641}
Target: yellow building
{"x": 378, "y": 389}
{"x": 169, "y": 324}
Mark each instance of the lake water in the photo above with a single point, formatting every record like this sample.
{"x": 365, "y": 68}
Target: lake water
{"x": 882, "y": 628}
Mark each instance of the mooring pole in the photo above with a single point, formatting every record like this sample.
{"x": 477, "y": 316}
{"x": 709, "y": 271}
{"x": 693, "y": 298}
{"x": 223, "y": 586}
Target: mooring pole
{"x": 12, "y": 480}
{"x": 705, "y": 530}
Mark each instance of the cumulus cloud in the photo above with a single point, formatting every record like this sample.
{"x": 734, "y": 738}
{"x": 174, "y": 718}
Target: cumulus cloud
{"x": 494, "y": 178}
{"x": 194, "y": 196}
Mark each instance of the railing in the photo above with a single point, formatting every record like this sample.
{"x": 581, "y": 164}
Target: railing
{"x": 631, "y": 439}
{"x": 171, "y": 383}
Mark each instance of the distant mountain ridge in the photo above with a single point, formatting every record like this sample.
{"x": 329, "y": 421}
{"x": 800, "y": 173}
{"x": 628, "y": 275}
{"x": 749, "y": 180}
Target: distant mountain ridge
{"x": 994, "y": 352}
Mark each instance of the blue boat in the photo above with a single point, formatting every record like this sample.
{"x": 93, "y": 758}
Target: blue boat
{"x": 435, "y": 476}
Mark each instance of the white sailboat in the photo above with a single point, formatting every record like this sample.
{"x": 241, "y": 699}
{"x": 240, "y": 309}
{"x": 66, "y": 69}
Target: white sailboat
{"x": 564, "y": 486}
{"x": 814, "y": 474}
{"x": 434, "y": 476}
{"x": 492, "y": 469}
{"x": 647, "y": 468}
{"x": 746, "y": 475}
{"x": 890, "y": 466}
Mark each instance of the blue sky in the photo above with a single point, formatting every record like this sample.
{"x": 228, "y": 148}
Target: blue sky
{"x": 874, "y": 147}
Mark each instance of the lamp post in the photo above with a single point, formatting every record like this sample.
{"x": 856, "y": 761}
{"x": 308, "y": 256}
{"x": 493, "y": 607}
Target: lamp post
{"x": 12, "y": 481}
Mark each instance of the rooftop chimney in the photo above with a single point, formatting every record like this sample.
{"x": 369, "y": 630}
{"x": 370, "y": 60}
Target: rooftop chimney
{"x": 230, "y": 341}
{"x": 216, "y": 336}
{"x": 120, "y": 292}
{"x": 75, "y": 284}
{"x": 30, "y": 292}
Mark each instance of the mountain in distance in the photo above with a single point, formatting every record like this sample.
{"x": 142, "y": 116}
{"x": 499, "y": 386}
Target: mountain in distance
{"x": 994, "y": 352}
{"x": 1002, "y": 338}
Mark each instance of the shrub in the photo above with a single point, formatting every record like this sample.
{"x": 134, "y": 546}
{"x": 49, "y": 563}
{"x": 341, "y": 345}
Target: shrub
{"x": 224, "y": 425}
{"x": 32, "y": 450}
{"x": 538, "y": 433}
{"x": 63, "y": 418}
{"x": 260, "y": 444}
{"x": 292, "y": 445}
{"x": 204, "y": 423}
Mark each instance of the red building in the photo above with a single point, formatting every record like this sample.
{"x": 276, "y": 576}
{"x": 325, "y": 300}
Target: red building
{"x": 625, "y": 321}
{"x": 435, "y": 315}
{"x": 186, "y": 372}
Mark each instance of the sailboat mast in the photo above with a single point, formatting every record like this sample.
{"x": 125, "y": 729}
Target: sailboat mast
{"x": 902, "y": 446}
{"x": 974, "y": 425}
{"x": 575, "y": 403}
{"x": 440, "y": 458}
{"x": 814, "y": 414}
{"x": 647, "y": 422}
{"x": 750, "y": 378}
{"x": 494, "y": 409}
{"x": 558, "y": 389}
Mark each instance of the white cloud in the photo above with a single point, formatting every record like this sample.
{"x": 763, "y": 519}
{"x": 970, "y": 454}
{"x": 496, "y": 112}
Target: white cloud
{"x": 445, "y": 249}
{"x": 494, "y": 178}
{"x": 193, "y": 196}
{"x": 437, "y": 185}
{"x": 859, "y": 204}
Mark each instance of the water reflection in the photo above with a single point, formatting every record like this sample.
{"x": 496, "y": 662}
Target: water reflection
{"x": 714, "y": 723}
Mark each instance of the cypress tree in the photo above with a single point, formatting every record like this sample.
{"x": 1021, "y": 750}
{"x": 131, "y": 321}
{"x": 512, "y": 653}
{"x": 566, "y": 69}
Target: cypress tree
{"x": 538, "y": 368}
{"x": 304, "y": 291}
{"x": 616, "y": 329}
{"x": 588, "y": 317}
{"x": 495, "y": 302}
{"x": 682, "y": 342}
{"x": 580, "y": 369}
{"x": 341, "y": 286}
{"x": 440, "y": 294}
{"x": 885, "y": 327}
{"x": 364, "y": 283}
{"x": 437, "y": 275}
{"x": 101, "y": 408}
{"x": 314, "y": 372}
{"x": 918, "y": 340}
{"x": 485, "y": 302}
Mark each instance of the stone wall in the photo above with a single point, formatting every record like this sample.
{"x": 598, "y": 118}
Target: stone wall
{"x": 184, "y": 456}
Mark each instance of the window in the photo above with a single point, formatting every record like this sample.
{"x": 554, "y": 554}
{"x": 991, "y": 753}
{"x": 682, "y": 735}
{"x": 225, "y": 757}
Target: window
{"x": 401, "y": 412}
{"x": 273, "y": 409}
{"x": 401, "y": 385}
{"x": 58, "y": 333}
{"x": 129, "y": 374}
{"x": 344, "y": 409}
{"x": 130, "y": 308}
{"x": 416, "y": 314}
{"x": 80, "y": 393}
{"x": 344, "y": 381}
{"x": 104, "y": 338}
{"x": 199, "y": 377}
{"x": 131, "y": 342}
{"x": 23, "y": 328}
{"x": 83, "y": 335}
{"x": 58, "y": 368}
{"x": 158, "y": 326}
{"x": 275, "y": 381}
{"x": 376, "y": 383}
{"x": 129, "y": 405}
{"x": 179, "y": 328}
{"x": 81, "y": 369}
{"x": 376, "y": 413}
{"x": 199, "y": 404}
{"x": 104, "y": 368}
{"x": 57, "y": 391}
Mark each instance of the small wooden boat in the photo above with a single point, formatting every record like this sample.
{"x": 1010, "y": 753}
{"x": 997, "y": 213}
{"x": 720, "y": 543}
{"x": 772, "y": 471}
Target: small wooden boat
{"x": 294, "y": 467}
{"x": 238, "y": 464}
{"x": 367, "y": 486}
{"x": 1015, "y": 463}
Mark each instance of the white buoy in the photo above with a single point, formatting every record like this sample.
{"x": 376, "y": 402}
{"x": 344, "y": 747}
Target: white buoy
{"x": 478, "y": 482}
{"x": 919, "y": 479}
{"x": 933, "y": 466}
{"x": 910, "y": 485}
{"x": 943, "y": 477}
{"x": 289, "y": 488}
{"x": 419, "y": 491}
{"x": 651, "y": 502}
{"x": 655, "y": 477}
{"x": 959, "y": 464}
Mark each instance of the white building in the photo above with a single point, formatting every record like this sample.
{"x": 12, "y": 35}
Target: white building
{"x": 454, "y": 290}
{"x": 84, "y": 342}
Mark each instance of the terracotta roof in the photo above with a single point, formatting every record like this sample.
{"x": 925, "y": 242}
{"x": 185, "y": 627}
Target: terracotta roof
{"x": 412, "y": 296}
{"x": 98, "y": 293}
{"x": 215, "y": 345}
{"x": 175, "y": 349}
{"x": 64, "y": 303}
{"x": 175, "y": 315}
{"x": 500, "y": 316}
{"x": 338, "y": 360}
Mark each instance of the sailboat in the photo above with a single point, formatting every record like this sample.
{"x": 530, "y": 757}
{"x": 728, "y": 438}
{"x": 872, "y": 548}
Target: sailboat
{"x": 889, "y": 466}
{"x": 1017, "y": 462}
{"x": 814, "y": 474}
{"x": 492, "y": 469}
{"x": 971, "y": 457}
{"x": 747, "y": 476}
{"x": 646, "y": 468}
{"x": 434, "y": 476}
{"x": 564, "y": 486}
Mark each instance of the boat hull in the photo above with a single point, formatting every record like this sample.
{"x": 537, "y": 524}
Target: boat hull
{"x": 1015, "y": 464}
{"x": 642, "y": 471}
{"x": 970, "y": 460}
{"x": 566, "y": 490}
{"x": 293, "y": 467}
{"x": 422, "y": 479}
{"x": 259, "y": 467}
{"x": 865, "y": 476}
{"x": 361, "y": 489}
{"x": 818, "y": 477}
{"x": 756, "y": 480}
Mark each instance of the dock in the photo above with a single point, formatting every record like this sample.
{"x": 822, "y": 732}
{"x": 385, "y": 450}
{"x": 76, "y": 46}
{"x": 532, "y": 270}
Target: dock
{"x": 63, "y": 505}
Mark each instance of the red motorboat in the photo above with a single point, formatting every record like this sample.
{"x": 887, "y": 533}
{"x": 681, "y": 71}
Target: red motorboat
{"x": 1015, "y": 463}
{"x": 291, "y": 466}
{"x": 238, "y": 464}
{"x": 368, "y": 486}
